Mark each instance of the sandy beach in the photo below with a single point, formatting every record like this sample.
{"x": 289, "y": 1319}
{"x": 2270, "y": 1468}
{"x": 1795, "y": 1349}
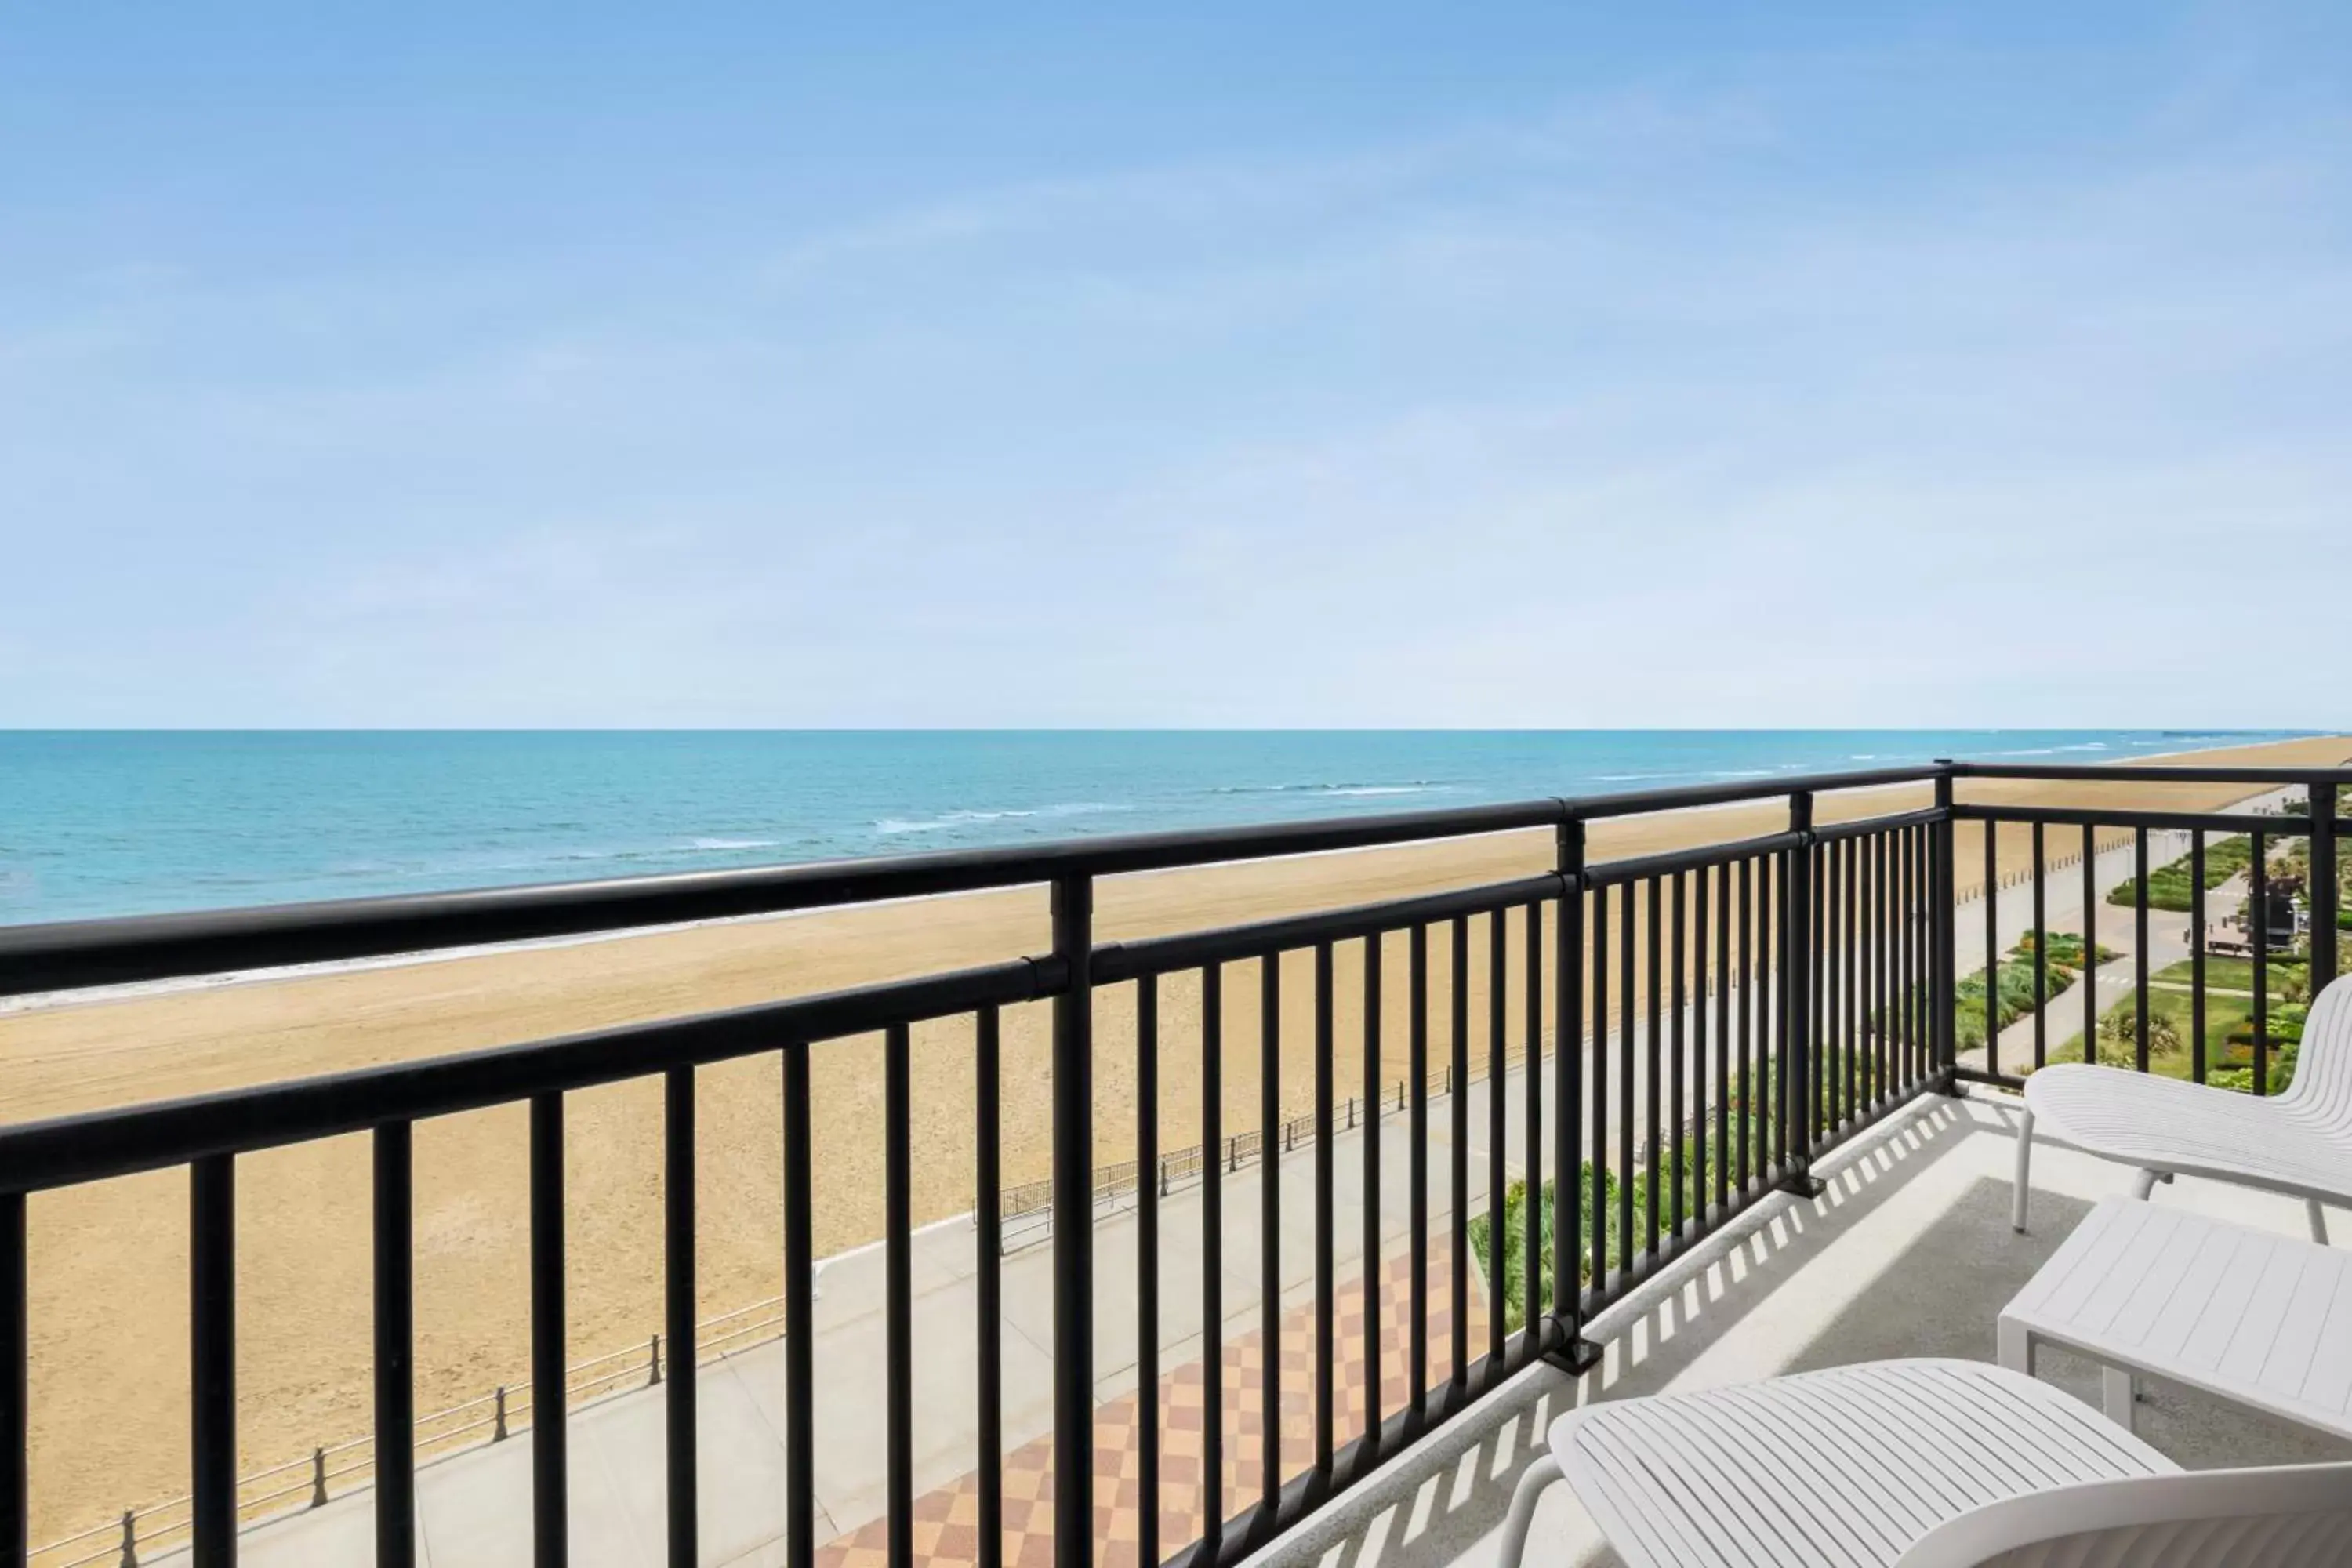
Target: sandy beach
{"x": 110, "y": 1261}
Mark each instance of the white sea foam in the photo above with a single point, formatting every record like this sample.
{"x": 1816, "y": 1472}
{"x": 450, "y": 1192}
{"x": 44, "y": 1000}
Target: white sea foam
{"x": 897, "y": 824}
{"x": 732, "y": 843}
{"x": 1407, "y": 786}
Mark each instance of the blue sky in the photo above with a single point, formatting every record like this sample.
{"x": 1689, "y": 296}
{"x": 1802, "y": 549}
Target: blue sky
{"x": 1557, "y": 365}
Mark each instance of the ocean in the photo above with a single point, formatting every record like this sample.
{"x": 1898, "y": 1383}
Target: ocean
{"x": 106, "y": 823}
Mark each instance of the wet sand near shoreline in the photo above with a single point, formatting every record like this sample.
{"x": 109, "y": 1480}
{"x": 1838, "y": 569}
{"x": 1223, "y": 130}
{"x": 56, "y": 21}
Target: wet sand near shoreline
{"x": 108, "y": 1261}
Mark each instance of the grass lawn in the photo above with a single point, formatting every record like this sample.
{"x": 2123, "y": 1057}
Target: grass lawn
{"x": 2235, "y": 973}
{"x": 2168, "y": 884}
{"x": 2227, "y": 1065}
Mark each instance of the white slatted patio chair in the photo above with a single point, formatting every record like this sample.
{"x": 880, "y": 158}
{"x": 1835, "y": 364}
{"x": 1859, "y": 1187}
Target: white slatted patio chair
{"x": 1916, "y": 1464}
{"x": 2298, "y": 1142}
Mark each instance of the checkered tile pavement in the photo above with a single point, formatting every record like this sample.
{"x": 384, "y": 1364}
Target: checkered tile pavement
{"x": 947, "y": 1521}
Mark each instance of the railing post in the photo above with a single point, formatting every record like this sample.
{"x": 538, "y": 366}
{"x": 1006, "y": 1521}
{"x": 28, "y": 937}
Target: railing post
{"x": 318, "y": 1477}
{"x": 395, "y": 1346}
{"x": 1574, "y": 1354}
{"x": 2322, "y": 890}
{"x": 498, "y": 1417}
{"x": 212, "y": 1359}
{"x": 1795, "y": 1098}
{"x": 1943, "y": 927}
{"x": 1073, "y": 1142}
{"x": 129, "y": 1540}
{"x": 653, "y": 1363}
{"x": 15, "y": 1362}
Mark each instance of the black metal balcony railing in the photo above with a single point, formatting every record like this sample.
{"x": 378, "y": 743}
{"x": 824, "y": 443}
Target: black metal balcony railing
{"x": 1740, "y": 1008}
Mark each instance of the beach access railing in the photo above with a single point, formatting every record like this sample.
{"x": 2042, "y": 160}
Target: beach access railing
{"x": 1825, "y": 954}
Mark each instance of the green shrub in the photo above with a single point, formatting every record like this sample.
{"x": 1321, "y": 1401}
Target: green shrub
{"x": 2168, "y": 885}
{"x": 2014, "y": 998}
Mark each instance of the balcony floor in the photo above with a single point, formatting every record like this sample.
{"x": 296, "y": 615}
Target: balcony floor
{"x": 1909, "y": 1253}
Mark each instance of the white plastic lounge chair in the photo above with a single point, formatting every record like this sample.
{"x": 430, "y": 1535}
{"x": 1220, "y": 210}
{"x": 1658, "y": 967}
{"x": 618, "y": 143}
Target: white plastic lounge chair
{"x": 2299, "y": 1143}
{"x": 1920, "y": 1464}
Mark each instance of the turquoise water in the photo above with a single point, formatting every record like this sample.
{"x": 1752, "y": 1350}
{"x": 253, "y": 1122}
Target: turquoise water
{"x": 122, "y": 822}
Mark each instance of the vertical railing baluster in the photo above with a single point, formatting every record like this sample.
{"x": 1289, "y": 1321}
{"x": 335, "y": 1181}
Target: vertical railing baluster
{"x": 1747, "y": 1004}
{"x": 1570, "y": 1211}
{"x": 16, "y": 1362}
{"x": 1417, "y": 1160}
{"x": 898, "y": 1293}
{"x": 1597, "y": 1238}
{"x": 1914, "y": 964}
{"x": 679, "y": 1310}
{"x": 1325, "y": 1279}
{"x": 1775, "y": 1050}
{"x": 1629, "y": 1020}
{"x": 1849, "y": 950}
{"x": 1834, "y": 1011}
{"x": 1699, "y": 996}
{"x": 1898, "y": 968}
{"x": 1798, "y": 968}
{"x": 2090, "y": 943}
{"x": 799, "y": 1319}
{"x": 2139, "y": 947}
{"x": 395, "y": 1347}
{"x": 212, "y": 1358}
{"x": 1826, "y": 992}
{"x": 1531, "y": 1206}
{"x": 2196, "y": 955}
{"x": 988, "y": 1329}
{"x": 1992, "y": 949}
{"x": 1652, "y": 1061}
{"x": 1074, "y": 1229}
{"x": 2323, "y": 892}
{"x": 2260, "y": 927}
{"x": 1941, "y": 840}
{"x": 1458, "y": 1038}
{"x": 1374, "y": 1089}
{"x": 1724, "y": 976}
{"x": 1674, "y": 1071}
{"x": 1936, "y": 935}
{"x": 1818, "y": 1022}
{"x": 1147, "y": 1266}
{"x": 1213, "y": 1264}
{"x": 1498, "y": 1131}
{"x": 1771, "y": 1021}
{"x": 1269, "y": 1244}
{"x": 1917, "y": 987}
{"x": 549, "y": 1427}
{"x": 1882, "y": 939}
{"x": 2041, "y": 959}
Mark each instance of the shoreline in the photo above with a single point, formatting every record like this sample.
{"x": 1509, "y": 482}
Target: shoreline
{"x": 33, "y": 1002}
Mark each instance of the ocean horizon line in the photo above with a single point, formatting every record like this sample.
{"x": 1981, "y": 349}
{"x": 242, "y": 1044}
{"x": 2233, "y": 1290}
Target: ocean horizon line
{"x": 115, "y": 822}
